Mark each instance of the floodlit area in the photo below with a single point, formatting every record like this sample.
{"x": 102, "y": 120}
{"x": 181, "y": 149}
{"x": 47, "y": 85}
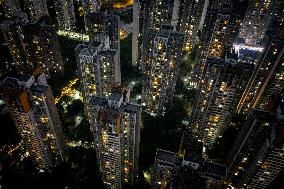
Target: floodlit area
{"x": 68, "y": 91}
{"x": 147, "y": 177}
{"x": 122, "y": 34}
{"x": 79, "y": 143}
{"x": 123, "y": 5}
{"x": 78, "y": 120}
{"x": 243, "y": 46}
{"x": 74, "y": 35}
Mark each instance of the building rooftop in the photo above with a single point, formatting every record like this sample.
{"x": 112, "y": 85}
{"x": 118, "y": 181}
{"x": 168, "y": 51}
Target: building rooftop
{"x": 23, "y": 77}
{"x": 10, "y": 83}
{"x": 38, "y": 89}
{"x": 110, "y": 52}
{"x": 95, "y": 44}
{"x": 115, "y": 97}
{"x": 131, "y": 107}
{"x": 264, "y": 116}
{"x": 125, "y": 107}
{"x": 14, "y": 81}
{"x": 214, "y": 170}
{"x": 164, "y": 33}
{"x": 166, "y": 156}
{"x": 193, "y": 153}
{"x": 99, "y": 101}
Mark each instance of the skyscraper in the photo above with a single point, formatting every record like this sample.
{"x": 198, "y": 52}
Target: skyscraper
{"x": 102, "y": 24}
{"x": 159, "y": 13}
{"x": 256, "y": 157}
{"x": 41, "y": 47}
{"x": 35, "y": 9}
{"x": 12, "y": 30}
{"x": 98, "y": 68}
{"x": 140, "y": 23}
{"x": 136, "y": 31}
{"x": 31, "y": 104}
{"x": 220, "y": 28}
{"x": 11, "y": 7}
{"x": 90, "y": 6}
{"x": 267, "y": 78}
{"x": 166, "y": 167}
{"x": 32, "y": 44}
{"x": 161, "y": 58}
{"x": 188, "y": 169}
{"x": 65, "y": 14}
{"x": 220, "y": 89}
{"x": 190, "y": 20}
{"x": 116, "y": 126}
{"x": 256, "y": 21}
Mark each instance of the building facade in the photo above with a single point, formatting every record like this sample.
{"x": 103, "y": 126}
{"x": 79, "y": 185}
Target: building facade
{"x": 256, "y": 157}
{"x": 159, "y": 13}
{"x": 98, "y": 68}
{"x": 116, "y": 127}
{"x": 162, "y": 57}
{"x": 31, "y": 105}
{"x": 165, "y": 169}
{"x": 219, "y": 31}
{"x": 256, "y": 21}
{"x": 90, "y": 6}
{"x": 135, "y": 32}
{"x": 220, "y": 89}
{"x": 42, "y": 47}
{"x": 190, "y": 21}
{"x": 65, "y": 14}
{"x": 267, "y": 78}
{"x": 35, "y": 9}
{"x": 102, "y": 24}
{"x": 11, "y": 7}
{"x": 12, "y": 30}
{"x": 32, "y": 44}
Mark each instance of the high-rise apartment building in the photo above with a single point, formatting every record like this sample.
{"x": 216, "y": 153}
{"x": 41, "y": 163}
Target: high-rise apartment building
{"x": 190, "y": 22}
{"x": 32, "y": 44}
{"x": 41, "y": 47}
{"x": 220, "y": 89}
{"x": 11, "y": 7}
{"x": 31, "y": 105}
{"x": 65, "y": 14}
{"x": 12, "y": 30}
{"x": 116, "y": 127}
{"x": 102, "y": 24}
{"x": 35, "y": 9}
{"x": 256, "y": 157}
{"x": 90, "y": 6}
{"x": 165, "y": 169}
{"x": 135, "y": 32}
{"x": 266, "y": 80}
{"x": 98, "y": 68}
{"x": 256, "y": 21}
{"x": 162, "y": 55}
{"x": 159, "y": 13}
{"x": 140, "y": 23}
{"x": 188, "y": 169}
{"x": 219, "y": 30}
